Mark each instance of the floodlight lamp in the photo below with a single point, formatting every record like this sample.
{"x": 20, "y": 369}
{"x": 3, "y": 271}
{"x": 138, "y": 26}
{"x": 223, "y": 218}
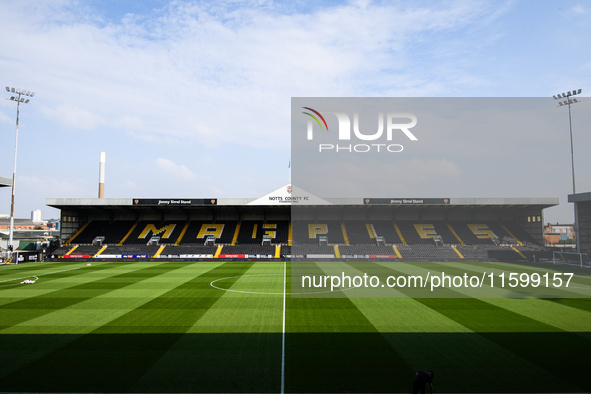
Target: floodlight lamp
{"x": 27, "y": 101}
{"x": 554, "y": 97}
{"x": 575, "y": 101}
{"x": 579, "y": 91}
{"x": 8, "y": 89}
{"x": 12, "y": 90}
{"x": 32, "y": 94}
{"x": 560, "y": 104}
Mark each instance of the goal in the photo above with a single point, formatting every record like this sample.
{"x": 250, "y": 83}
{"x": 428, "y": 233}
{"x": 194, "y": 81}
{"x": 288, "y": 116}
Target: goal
{"x": 572, "y": 258}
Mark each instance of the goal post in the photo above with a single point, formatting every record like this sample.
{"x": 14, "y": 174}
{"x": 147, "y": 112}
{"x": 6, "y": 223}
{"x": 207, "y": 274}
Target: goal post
{"x": 571, "y": 258}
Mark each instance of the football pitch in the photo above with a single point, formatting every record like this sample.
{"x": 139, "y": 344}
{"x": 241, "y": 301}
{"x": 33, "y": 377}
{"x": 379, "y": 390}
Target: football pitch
{"x": 234, "y": 327}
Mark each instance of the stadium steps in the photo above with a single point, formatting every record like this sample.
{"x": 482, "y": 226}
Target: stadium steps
{"x": 236, "y": 232}
{"x": 71, "y": 250}
{"x": 456, "y": 235}
{"x": 371, "y": 230}
{"x": 218, "y": 251}
{"x": 101, "y": 250}
{"x": 180, "y": 238}
{"x": 289, "y": 238}
{"x": 277, "y": 251}
{"x": 458, "y": 252}
{"x": 345, "y": 237}
{"x": 397, "y": 252}
{"x": 159, "y": 250}
{"x": 400, "y": 234}
{"x": 77, "y": 234}
{"x": 337, "y": 252}
{"x": 512, "y": 236}
{"x": 128, "y": 234}
{"x": 519, "y": 252}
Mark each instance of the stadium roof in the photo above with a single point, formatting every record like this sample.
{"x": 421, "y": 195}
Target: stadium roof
{"x": 579, "y": 197}
{"x": 5, "y": 182}
{"x": 286, "y": 196}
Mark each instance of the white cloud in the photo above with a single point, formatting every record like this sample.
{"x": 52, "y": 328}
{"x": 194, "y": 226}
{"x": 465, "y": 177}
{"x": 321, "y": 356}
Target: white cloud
{"x": 73, "y": 117}
{"x": 213, "y": 74}
{"x": 579, "y": 9}
{"x": 56, "y": 186}
{"x": 198, "y": 78}
{"x": 173, "y": 169}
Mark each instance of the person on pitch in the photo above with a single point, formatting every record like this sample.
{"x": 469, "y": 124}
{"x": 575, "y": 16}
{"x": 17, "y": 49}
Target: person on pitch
{"x": 421, "y": 379}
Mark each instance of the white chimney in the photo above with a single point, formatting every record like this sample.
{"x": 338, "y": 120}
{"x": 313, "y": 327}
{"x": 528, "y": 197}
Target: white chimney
{"x": 101, "y": 193}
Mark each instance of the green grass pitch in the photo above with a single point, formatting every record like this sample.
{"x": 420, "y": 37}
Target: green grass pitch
{"x": 162, "y": 327}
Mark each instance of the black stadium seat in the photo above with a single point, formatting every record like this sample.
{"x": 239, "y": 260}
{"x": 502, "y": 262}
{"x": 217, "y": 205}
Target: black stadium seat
{"x": 412, "y": 240}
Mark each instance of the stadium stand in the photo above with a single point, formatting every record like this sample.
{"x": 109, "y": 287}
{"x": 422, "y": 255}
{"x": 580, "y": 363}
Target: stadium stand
{"x": 112, "y": 231}
{"x": 365, "y": 232}
{"x": 420, "y": 241}
{"x": 198, "y": 231}
{"x": 535, "y": 253}
{"x": 252, "y": 232}
{"x": 167, "y": 232}
{"x": 89, "y": 250}
{"x": 311, "y": 232}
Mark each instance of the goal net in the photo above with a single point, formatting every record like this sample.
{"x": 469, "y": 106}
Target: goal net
{"x": 571, "y": 258}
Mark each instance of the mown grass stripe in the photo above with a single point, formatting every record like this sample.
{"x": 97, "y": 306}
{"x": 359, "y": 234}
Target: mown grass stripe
{"x": 527, "y": 338}
{"x": 24, "y": 349}
{"x": 239, "y": 334}
{"x": 177, "y": 309}
{"x": 128, "y": 355}
{"x": 464, "y": 358}
{"x": 560, "y": 315}
{"x": 327, "y": 336}
{"x": 7, "y": 271}
{"x": 252, "y": 304}
{"x": 86, "y": 316}
{"x": 48, "y": 274}
{"x": 340, "y": 344}
{"x": 583, "y": 304}
{"x": 25, "y": 309}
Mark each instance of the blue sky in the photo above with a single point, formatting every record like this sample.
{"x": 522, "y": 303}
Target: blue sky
{"x": 192, "y": 99}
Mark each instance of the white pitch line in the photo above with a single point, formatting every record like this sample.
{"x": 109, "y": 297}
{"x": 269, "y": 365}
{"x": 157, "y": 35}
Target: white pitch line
{"x": 283, "y": 335}
{"x": 267, "y": 293}
{"x": 48, "y": 273}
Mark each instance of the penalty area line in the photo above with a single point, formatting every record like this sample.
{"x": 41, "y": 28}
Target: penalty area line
{"x": 37, "y": 275}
